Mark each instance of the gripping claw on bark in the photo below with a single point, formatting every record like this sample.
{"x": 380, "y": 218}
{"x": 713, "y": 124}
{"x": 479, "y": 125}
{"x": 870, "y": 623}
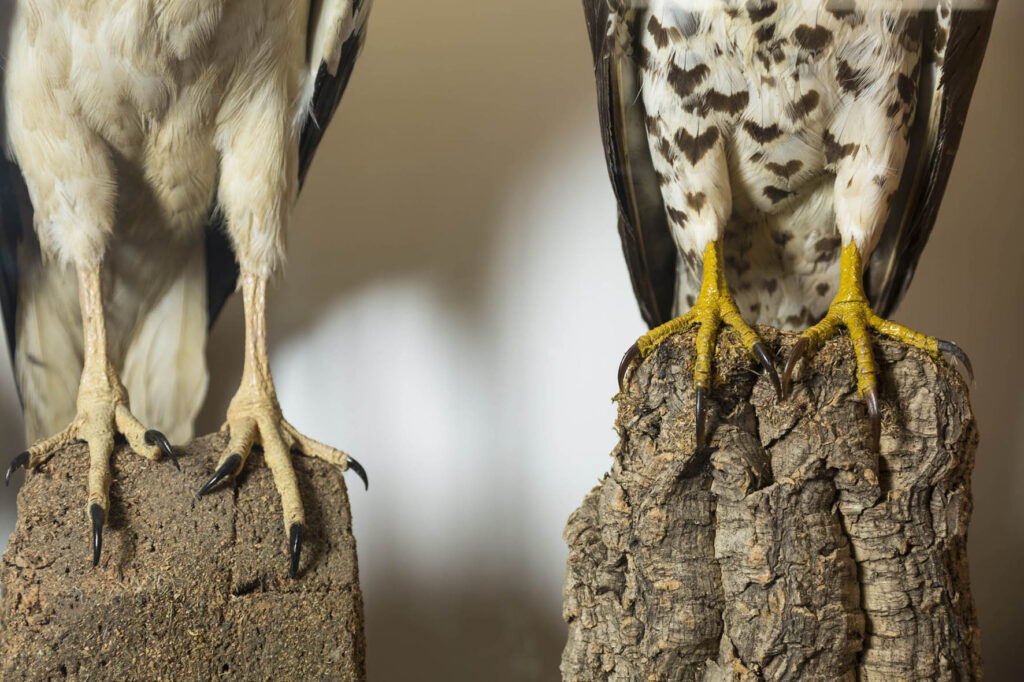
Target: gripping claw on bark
{"x": 799, "y": 349}
{"x": 765, "y": 358}
{"x": 98, "y": 517}
{"x": 959, "y": 355}
{"x": 16, "y": 463}
{"x": 702, "y": 417}
{"x": 228, "y": 468}
{"x": 295, "y": 548}
{"x": 871, "y": 398}
{"x": 360, "y": 471}
{"x": 154, "y": 437}
{"x": 630, "y": 356}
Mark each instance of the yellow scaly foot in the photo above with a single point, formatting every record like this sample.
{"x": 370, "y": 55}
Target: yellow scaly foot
{"x": 714, "y": 307}
{"x": 850, "y": 309}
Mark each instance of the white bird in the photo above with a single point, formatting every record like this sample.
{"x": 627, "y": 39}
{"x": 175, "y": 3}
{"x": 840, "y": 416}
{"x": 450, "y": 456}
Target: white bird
{"x": 150, "y": 144}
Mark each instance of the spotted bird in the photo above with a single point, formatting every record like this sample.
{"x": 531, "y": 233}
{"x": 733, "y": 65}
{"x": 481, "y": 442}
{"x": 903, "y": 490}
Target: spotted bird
{"x": 781, "y": 162}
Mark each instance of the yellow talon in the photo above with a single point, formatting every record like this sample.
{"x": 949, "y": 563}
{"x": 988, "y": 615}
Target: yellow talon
{"x": 714, "y": 307}
{"x": 851, "y": 309}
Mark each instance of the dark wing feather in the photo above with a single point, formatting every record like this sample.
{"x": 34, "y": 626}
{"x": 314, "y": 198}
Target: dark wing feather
{"x": 15, "y": 221}
{"x": 15, "y": 207}
{"x": 948, "y": 75}
{"x": 221, "y": 267}
{"x": 327, "y": 95}
{"x": 643, "y": 227}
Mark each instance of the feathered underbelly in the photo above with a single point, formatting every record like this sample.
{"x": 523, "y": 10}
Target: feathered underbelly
{"x": 780, "y": 243}
{"x": 783, "y": 265}
{"x": 155, "y": 82}
{"x": 749, "y": 108}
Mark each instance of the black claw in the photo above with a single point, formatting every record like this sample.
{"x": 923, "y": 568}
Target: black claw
{"x": 360, "y": 471}
{"x": 871, "y": 398}
{"x": 794, "y": 357}
{"x": 631, "y": 354}
{"x": 762, "y": 355}
{"x": 98, "y": 516}
{"x": 228, "y": 468}
{"x": 16, "y": 463}
{"x": 295, "y": 548}
{"x": 154, "y": 437}
{"x": 959, "y": 355}
{"x": 702, "y": 416}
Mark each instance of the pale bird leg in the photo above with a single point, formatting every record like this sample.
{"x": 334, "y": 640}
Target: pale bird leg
{"x": 254, "y": 418}
{"x": 851, "y": 309}
{"x": 102, "y": 411}
{"x": 714, "y": 307}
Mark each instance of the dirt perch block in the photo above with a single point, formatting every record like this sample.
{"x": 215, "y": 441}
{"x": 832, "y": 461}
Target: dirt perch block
{"x": 186, "y": 588}
{"x": 787, "y": 550}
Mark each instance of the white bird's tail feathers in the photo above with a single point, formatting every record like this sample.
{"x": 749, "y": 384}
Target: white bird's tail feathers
{"x": 156, "y": 334}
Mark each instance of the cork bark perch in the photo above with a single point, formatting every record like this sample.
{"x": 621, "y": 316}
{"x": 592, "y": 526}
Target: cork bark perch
{"x": 186, "y": 588}
{"x": 778, "y": 554}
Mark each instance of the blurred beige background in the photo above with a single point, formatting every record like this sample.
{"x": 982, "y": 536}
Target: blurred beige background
{"x": 456, "y": 305}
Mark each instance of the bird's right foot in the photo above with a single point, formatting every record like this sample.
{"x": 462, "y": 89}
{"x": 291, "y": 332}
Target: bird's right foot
{"x": 102, "y": 411}
{"x": 714, "y": 307}
{"x": 255, "y": 418}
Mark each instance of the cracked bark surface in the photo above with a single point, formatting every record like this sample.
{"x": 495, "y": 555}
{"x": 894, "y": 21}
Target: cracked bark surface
{"x": 186, "y": 588}
{"x": 786, "y": 550}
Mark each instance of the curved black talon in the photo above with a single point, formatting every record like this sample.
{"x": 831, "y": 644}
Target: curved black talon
{"x": 154, "y": 437}
{"x": 631, "y": 354}
{"x": 702, "y": 417}
{"x": 360, "y": 471}
{"x": 871, "y": 398}
{"x": 98, "y": 516}
{"x": 295, "y": 548}
{"x": 228, "y": 468}
{"x": 762, "y": 355}
{"x": 794, "y": 357}
{"x": 958, "y": 353}
{"x": 16, "y": 463}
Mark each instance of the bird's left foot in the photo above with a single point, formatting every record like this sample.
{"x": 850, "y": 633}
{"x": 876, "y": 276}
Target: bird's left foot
{"x": 254, "y": 418}
{"x": 851, "y": 309}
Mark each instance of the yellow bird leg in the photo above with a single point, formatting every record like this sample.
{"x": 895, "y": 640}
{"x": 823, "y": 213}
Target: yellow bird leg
{"x": 850, "y": 309}
{"x": 714, "y": 307}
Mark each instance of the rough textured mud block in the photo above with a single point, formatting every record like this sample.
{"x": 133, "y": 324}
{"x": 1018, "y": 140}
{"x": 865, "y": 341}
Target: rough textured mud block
{"x": 186, "y": 588}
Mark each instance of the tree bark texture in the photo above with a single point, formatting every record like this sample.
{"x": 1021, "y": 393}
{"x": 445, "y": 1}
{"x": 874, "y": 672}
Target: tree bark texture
{"x": 786, "y": 549}
{"x": 186, "y": 588}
